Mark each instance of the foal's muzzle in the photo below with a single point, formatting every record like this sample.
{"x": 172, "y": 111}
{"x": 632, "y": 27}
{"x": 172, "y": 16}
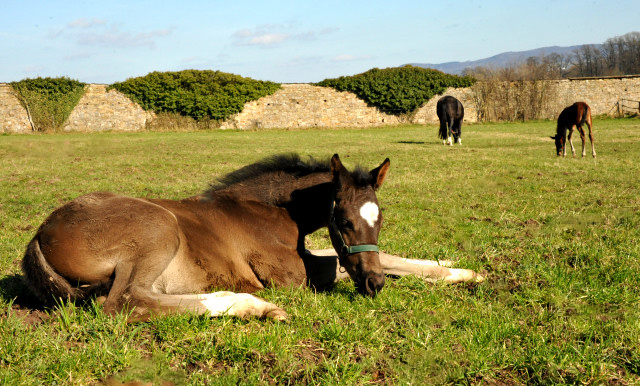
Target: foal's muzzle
{"x": 370, "y": 284}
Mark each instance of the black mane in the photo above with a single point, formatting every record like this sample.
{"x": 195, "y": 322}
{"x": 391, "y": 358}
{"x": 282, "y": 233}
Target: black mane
{"x": 289, "y": 164}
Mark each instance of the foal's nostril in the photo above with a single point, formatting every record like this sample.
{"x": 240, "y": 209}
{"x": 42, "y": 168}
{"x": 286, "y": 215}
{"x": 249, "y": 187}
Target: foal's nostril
{"x": 374, "y": 284}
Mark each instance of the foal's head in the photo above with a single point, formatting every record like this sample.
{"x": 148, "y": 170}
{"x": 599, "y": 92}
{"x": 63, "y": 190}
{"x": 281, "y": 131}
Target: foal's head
{"x": 559, "y": 139}
{"x": 355, "y": 223}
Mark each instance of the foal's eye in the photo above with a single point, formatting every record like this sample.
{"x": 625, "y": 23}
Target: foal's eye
{"x": 346, "y": 224}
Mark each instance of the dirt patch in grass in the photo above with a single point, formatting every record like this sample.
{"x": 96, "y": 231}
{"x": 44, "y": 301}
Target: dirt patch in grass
{"x": 28, "y": 316}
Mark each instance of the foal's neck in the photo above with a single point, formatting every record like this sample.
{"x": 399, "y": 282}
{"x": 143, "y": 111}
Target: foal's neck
{"x": 309, "y": 202}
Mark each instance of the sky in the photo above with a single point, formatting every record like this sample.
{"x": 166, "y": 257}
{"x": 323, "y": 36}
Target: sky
{"x": 285, "y": 41}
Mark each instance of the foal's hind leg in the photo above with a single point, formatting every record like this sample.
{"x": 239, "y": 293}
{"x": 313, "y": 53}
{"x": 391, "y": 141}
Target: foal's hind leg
{"x": 213, "y": 304}
{"x": 593, "y": 149}
{"x": 133, "y": 289}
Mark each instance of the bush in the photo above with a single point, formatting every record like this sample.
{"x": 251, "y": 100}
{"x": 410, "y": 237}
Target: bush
{"x": 198, "y": 94}
{"x": 398, "y": 90}
{"x": 48, "y": 101}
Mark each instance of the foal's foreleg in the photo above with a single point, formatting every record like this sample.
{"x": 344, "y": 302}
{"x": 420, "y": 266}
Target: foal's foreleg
{"x": 429, "y": 270}
{"x": 573, "y": 150}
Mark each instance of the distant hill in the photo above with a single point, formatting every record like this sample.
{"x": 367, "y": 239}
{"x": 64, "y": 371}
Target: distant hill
{"x": 500, "y": 60}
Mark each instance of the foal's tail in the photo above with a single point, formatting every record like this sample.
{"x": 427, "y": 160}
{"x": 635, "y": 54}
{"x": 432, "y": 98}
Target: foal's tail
{"x": 586, "y": 116}
{"x": 43, "y": 281}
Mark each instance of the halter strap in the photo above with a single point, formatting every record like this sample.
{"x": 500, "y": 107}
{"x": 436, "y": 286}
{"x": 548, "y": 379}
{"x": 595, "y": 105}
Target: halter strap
{"x": 346, "y": 250}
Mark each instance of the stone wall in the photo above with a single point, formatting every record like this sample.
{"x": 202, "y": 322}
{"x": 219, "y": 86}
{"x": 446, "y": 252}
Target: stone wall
{"x": 13, "y": 117}
{"x": 97, "y": 110}
{"x": 304, "y": 105}
{"x": 601, "y": 94}
{"x": 102, "y": 110}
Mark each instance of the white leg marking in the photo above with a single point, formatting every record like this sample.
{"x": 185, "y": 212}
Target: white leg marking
{"x": 239, "y": 304}
{"x": 427, "y": 269}
{"x": 442, "y": 263}
{"x": 370, "y": 213}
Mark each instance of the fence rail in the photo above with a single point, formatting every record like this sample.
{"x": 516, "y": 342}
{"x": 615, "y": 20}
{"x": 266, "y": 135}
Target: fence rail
{"x": 627, "y": 106}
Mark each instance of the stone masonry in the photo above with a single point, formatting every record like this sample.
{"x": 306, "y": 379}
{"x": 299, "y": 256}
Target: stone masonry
{"x": 102, "y": 110}
{"x": 304, "y": 105}
{"x": 13, "y": 117}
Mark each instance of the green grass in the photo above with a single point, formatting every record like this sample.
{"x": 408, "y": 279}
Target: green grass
{"x": 556, "y": 238}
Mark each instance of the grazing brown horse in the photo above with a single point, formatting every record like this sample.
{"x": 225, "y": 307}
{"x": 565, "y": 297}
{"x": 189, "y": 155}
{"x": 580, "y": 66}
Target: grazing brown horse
{"x": 450, "y": 113}
{"x": 247, "y": 232}
{"x": 575, "y": 115}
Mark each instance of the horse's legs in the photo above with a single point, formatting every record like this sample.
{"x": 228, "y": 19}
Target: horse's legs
{"x": 450, "y": 122}
{"x": 429, "y": 270}
{"x": 573, "y": 150}
{"x": 133, "y": 289}
{"x": 593, "y": 149}
{"x": 214, "y": 304}
{"x": 581, "y": 131}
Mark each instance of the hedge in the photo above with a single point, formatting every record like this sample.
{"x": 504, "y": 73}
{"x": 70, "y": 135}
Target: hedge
{"x": 48, "y": 101}
{"x": 397, "y": 90}
{"x": 200, "y": 94}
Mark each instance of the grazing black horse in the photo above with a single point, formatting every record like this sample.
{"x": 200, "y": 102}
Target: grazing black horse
{"x": 576, "y": 115}
{"x": 450, "y": 112}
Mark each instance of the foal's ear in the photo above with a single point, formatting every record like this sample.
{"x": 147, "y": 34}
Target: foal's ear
{"x": 380, "y": 173}
{"x": 336, "y": 164}
{"x": 337, "y": 169}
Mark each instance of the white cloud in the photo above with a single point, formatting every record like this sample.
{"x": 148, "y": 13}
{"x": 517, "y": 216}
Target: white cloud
{"x": 268, "y": 39}
{"x": 274, "y": 34}
{"x": 344, "y": 58}
{"x": 84, "y": 23}
{"x": 98, "y": 33}
{"x": 263, "y": 36}
{"x": 114, "y": 37}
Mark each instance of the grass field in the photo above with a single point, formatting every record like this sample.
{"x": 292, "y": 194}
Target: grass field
{"x": 556, "y": 238}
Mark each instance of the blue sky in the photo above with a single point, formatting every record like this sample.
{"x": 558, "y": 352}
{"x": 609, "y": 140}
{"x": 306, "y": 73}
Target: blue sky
{"x": 285, "y": 41}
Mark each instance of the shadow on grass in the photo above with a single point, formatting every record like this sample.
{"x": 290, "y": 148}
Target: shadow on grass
{"x": 13, "y": 289}
{"x": 412, "y": 142}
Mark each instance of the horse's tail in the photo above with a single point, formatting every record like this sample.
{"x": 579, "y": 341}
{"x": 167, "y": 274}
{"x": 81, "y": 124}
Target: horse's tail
{"x": 586, "y": 115}
{"x": 442, "y": 133}
{"x": 43, "y": 280}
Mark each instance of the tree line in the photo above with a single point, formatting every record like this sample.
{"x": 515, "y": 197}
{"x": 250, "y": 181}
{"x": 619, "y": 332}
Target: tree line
{"x": 616, "y": 56}
{"x": 521, "y": 91}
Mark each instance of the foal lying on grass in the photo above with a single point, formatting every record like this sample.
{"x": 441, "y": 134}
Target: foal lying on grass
{"x": 158, "y": 256}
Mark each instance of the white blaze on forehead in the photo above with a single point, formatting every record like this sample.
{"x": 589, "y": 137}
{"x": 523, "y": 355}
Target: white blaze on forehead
{"x": 370, "y": 213}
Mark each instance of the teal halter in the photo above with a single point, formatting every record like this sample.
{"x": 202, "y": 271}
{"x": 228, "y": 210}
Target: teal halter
{"x": 346, "y": 250}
